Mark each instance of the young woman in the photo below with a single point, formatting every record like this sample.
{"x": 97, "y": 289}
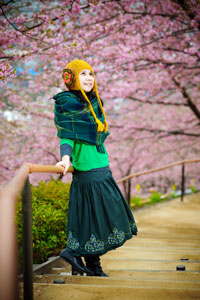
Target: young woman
{"x": 99, "y": 218}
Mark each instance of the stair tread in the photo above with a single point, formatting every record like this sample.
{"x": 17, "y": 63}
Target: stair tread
{"x": 85, "y": 292}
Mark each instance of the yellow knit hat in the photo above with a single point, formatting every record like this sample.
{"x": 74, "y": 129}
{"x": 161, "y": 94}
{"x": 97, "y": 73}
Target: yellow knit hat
{"x": 71, "y": 80}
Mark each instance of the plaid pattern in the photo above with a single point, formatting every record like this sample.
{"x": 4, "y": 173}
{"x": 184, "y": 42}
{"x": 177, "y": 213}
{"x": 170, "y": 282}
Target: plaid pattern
{"x": 73, "y": 119}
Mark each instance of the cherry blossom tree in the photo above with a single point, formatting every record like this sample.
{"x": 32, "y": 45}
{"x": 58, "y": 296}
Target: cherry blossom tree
{"x": 146, "y": 56}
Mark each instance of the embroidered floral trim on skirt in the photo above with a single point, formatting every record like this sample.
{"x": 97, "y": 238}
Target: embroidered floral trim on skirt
{"x": 99, "y": 218}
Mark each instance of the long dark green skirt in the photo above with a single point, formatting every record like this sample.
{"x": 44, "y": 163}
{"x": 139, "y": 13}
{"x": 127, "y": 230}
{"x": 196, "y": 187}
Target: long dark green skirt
{"x": 99, "y": 218}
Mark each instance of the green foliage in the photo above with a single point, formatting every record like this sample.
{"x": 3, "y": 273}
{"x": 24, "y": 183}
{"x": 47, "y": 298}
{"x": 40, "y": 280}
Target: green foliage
{"x": 193, "y": 189}
{"x": 136, "y": 201}
{"x": 192, "y": 186}
{"x": 173, "y": 193}
{"x": 155, "y": 197}
{"x": 139, "y": 201}
{"x": 49, "y": 219}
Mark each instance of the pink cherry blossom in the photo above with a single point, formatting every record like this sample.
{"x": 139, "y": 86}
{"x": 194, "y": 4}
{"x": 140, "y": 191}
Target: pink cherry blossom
{"x": 146, "y": 60}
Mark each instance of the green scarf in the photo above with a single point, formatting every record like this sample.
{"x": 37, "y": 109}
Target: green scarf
{"x": 74, "y": 120}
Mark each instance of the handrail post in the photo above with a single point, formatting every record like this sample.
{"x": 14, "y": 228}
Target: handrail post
{"x": 182, "y": 182}
{"x": 27, "y": 241}
{"x": 9, "y": 289}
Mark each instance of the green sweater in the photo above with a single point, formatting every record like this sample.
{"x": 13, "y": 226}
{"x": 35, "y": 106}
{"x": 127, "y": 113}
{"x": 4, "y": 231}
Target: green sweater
{"x": 85, "y": 157}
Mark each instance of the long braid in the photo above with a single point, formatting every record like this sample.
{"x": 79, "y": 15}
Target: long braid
{"x": 101, "y": 106}
{"x": 100, "y": 126}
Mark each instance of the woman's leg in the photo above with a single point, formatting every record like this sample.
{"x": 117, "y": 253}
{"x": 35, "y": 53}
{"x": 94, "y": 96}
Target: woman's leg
{"x": 93, "y": 264}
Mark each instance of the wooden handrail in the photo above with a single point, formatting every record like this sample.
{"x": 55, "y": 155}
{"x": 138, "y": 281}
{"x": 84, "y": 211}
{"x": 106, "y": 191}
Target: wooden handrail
{"x": 34, "y": 168}
{"x": 8, "y": 249}
{"x": 182, "y": 162}
{"x": 8, "y": 238}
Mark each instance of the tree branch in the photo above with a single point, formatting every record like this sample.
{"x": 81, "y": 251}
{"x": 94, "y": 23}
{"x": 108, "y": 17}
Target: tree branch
{"x": 160, "y": 131}
{"x": 52, "y": 154}
{"x": 168, "y": 132}
{"x": 190, "y": 103}
{"x": 158, "y": 102}
{"x": 5, "y": 4}
{"x": 22, "y": 32}
{"x": 186, "y": 6}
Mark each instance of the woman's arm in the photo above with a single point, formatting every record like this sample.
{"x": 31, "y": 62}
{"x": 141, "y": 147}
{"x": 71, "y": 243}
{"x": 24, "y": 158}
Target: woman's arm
{"x": 66, "y": 147}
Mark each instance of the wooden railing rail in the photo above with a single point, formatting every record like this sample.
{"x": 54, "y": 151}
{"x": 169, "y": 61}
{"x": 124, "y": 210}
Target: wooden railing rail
{"x": 179, "y": 163}
{"x": 182, "y": 162}
{"x": 34, "y": 168}
{"x": 8, "y": 237}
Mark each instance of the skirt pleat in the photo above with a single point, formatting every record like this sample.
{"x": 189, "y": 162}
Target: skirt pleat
{"x": 99, "y": 218}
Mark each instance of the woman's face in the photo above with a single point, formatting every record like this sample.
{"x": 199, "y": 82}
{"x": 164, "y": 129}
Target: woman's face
{"x": 86, "y": 80}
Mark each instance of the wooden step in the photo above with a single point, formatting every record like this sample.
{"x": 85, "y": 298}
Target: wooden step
{"x": 117, "y": 281}
{"x": 97, "y": 292}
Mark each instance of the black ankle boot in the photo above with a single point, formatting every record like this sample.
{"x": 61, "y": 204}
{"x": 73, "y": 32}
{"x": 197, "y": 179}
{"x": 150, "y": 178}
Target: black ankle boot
{"x": 76, "y": 262}
{"x": 76, "y": 273}
{"x": 94, "y": 265}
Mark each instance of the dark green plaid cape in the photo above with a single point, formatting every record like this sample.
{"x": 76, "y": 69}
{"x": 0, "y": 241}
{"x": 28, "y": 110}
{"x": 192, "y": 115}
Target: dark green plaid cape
{"x": 74, "y": 120}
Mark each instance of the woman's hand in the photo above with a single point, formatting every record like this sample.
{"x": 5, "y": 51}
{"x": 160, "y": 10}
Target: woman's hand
{"x": 64, "y": 163}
